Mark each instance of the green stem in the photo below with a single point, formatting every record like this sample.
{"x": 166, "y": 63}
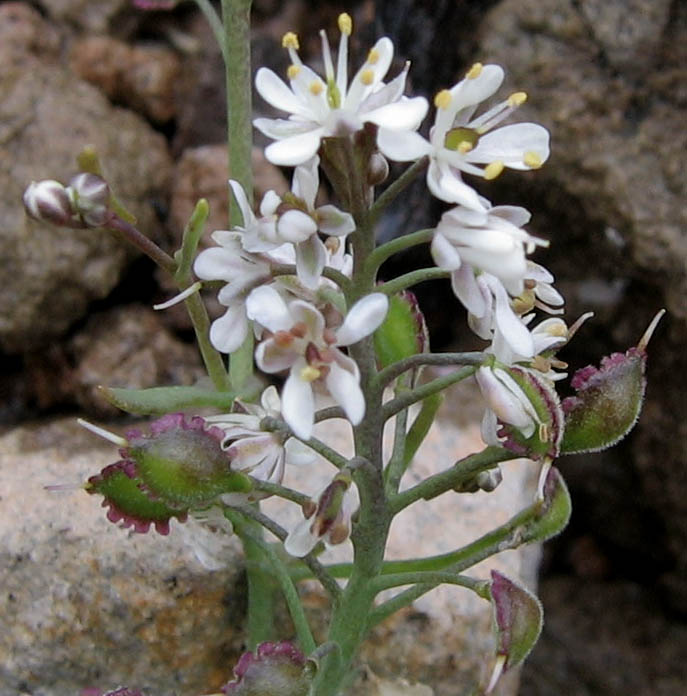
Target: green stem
{"x": 435, "y": 577}
{"x": 236, "y": 25}
{"x": 395, "y": 466}
{"x": 413, "y": 278}
{"x": 215, "y": 24}
{"x": 135, "y": 237}
{"x": 407, "y": 241}
{"x": 388, "y": 374}
{"x": 397, "y": 187}
{"x": 418, "y": 432}
{"x": 420, "y": 393}
{"x": 289, "y": 591}
{"x": 280, "y": 491}
{"x": 289, "y": 269}
{"x": 463, "y": 470}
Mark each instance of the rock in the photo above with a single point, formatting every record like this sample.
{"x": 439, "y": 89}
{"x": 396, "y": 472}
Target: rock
{"x": 47, "y": 117}
{"x": 95, "y": 17}
{"x": 89, "y": 605}
{"x": 608, "y": 79}
{"x": 141, "y": 77}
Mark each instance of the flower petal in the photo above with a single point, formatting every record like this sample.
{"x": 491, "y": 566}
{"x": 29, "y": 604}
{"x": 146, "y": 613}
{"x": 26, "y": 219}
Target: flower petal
{"x": 279, "y": 128}
{"x": 294, "y": 150}
{"x": 229, "y": 331}
{"x": 295, "y": 226}
{"x": 445, "y": 255}
{"x": 276, "y": 92}
{"x": 298, "y": 403}
{"x": 300, "y": 540}
{"x": 363, "y": 318}
{"x": 403, "y": 115}
{"x": 242, "y": 200}
{"x": 509, "y": 145}
{"x": 402, "y": 146}
{"x": 311, "y": 257}
{"x": 266, "y": 306}
{"x": 345, "y": 390}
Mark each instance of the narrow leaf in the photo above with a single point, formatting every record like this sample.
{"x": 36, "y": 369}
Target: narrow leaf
{"x": 161, "y": 400}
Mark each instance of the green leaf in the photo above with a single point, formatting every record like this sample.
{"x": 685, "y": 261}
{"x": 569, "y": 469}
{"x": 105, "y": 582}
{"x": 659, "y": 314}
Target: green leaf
{"x": 403, "y": 332}
{"x": 555, "y": 510}
{"x": 161, "y": 400}
{"x": 193, "y": 231}
{"x": 518, "y": 618}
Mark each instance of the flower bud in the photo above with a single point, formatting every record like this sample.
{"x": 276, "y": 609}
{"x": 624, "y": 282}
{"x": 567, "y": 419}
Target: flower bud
{"x": 274, "y": 669}
{"x": 182, "y": 462}
{"x": 90, "y": 197}
{"x": 126, "y": 501}
{"x": 48, "y": 201}
{"x": 377, "y": 169}
{"x": 608, "y": 399}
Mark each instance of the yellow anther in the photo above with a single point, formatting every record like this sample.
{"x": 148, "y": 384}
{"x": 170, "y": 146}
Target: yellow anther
{"x": 309, "y": 373}
{"x": 292, "y": 71}
{"x": 532, "y": 160}
{"x": 373, "y": 56}
{"x": 493, "y": 169}
{"x": 517, "y": 98}
{"x": 290, "y": 40}
{"x": 367, "y": 77}
{"x": 464, "y": 147}
{"x": 543, "y": 432}
{"x": 475, "y": 71}
{"x": 443, "y": 99}
{"x": 345, "y": 24}
{"x": 316, "y": 87}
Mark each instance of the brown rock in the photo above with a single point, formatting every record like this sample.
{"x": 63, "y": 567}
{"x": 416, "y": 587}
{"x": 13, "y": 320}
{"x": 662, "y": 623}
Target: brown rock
{"x": 47, "y": 117}
{"x": 95, "y": 17}
{"x": 143, "y": 78}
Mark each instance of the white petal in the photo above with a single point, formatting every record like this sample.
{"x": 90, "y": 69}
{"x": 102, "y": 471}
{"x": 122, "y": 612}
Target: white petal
{"x": 402, "y": 115}
{"x": 265, "y": 305}
{"x": 301, "y": 541}
{"x": 506, "y": 405}
{"x": 364, "y": 317}
{"x": 275, "y": 92}
{"x": 510, "y": 143}
{"x": 514, "y": 331}
{"x": 402, "y": 146}
{"x": 216, "y": 263}
{"x": 334, "y": 222}
{"x": 512, "y": 213}
{"x": 344, "y": 388}
{"x": 242, "y": 200}
{"x": 298, "y": 403}
{"x": 309, "y": 315}
{"x": 448, "y": 186}
{"x": 294, "y": 150}
{"x": 279, "y": 128}
{"x": 469, "y": 92}
{"x": 444, "y": 253}
{"x": 467, "y": 290}
{"x": 295, "y": 226}
{"x": 306, "y": 181}
{"x": 272, "y": 358}
{"x": 270, "y": 401}
{"x": 298, "y": 454}
{"x": 311, "y": 257}
{"x": 229, "y": 331}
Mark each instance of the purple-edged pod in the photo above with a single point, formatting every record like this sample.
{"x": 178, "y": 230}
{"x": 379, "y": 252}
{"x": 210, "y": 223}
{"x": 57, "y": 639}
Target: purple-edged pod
{"x": 181, "y": 462}
{"x": 403, "y": 332}
{"x": 518, "y": 619}
{"x": 127, "y": 503}
{"x": 274, "y": 669}
{"x": 608, "y": 399}
{"x": 525, "y": 414}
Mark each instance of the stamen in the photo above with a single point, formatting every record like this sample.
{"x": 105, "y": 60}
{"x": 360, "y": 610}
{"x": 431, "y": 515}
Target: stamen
{"x": 309, "y": 373}
{"x": 532, "y": 159}
{"x": 180, "y": 297}
{"x": 283, "y": 339}
{"x": 290, "y": 40}
{"x": 496, "y": 674}
{"x": 644, "y": 340}
{"x": 373, "y": 56}
{"x": 316, "y": 88}
{"x": 101, "y": 432}
{"x": 327, "y": 56}
{"x": 543, "y": 475}
{"x": 292, "y": 71}
{"x": 443, "y": 99}
{"x": 475, "y": 71}
{"x": 492, "y": 170}
{"x": 517, "y": 99}
{"x": 299, "y": 330}
{"x": 345, "y": 24}
{"x": 367, "y": 76}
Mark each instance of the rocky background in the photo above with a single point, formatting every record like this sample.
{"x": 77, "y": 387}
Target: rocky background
{"x": 607, "y": 77}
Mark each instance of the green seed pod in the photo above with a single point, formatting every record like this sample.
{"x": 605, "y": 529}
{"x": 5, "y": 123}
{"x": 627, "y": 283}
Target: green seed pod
{"x": 608, "y": 399}
{"x": 127, "y": 503}
{"x": 182, "y": 464}
{"x": 403, "y": 332}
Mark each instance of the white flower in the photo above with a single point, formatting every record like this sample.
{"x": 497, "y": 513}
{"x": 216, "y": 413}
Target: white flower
{"x": 263, "y": 455}
{"x": 458, "y": 142}
{"x": 331, "y": 106}
{"x": 328, "y": 520}
{"x": 491, "y": 240}
{"x": 301, "y": 343}
{"x": 209, "y": 535}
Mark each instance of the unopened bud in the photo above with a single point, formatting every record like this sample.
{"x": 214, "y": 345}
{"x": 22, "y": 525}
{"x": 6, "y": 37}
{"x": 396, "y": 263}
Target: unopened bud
{"x": 49, "y": 201}
{"x": 377, "y": 169}
{"x": 90, "y": 197}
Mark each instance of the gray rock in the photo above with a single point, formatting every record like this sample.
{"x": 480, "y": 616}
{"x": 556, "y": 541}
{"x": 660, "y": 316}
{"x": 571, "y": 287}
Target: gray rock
{"x": 90, "y": 605}
{"x": 94, "y": 17}
{"x": 47, "y": 117}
